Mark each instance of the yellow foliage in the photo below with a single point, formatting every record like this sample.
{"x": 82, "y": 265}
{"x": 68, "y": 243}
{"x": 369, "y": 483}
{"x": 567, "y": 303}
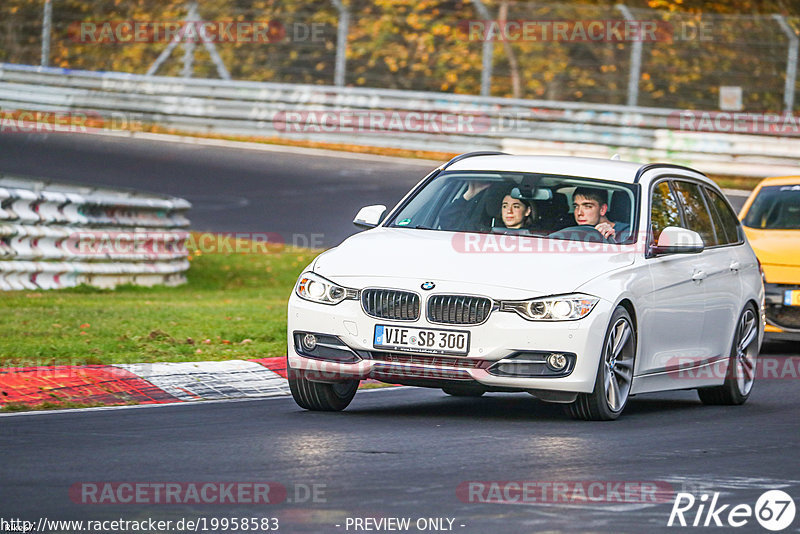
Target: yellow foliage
{"x": 422, "y": 45}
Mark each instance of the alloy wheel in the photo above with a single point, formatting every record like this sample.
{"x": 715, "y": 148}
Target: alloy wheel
{"x": 618, "y": 364}
{"x": 746, "y": 351}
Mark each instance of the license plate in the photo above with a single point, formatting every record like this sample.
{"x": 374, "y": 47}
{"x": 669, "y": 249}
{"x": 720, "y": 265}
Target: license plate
{"x": 426, "y": 340}
{"x": 791, "y": 297}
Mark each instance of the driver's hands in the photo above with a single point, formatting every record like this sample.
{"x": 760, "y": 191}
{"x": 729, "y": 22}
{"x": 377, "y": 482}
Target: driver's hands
{"x": 607, "y": 229}
{"x": 474, "y": 188}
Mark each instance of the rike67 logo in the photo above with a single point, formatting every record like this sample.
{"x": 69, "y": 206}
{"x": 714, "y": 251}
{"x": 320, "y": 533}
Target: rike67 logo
{"x": 774, "y": 510}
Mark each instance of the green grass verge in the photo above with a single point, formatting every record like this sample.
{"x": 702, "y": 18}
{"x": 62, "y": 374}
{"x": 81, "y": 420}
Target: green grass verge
{"x": 20, "y": 407}
{"x": 233, "y": 307}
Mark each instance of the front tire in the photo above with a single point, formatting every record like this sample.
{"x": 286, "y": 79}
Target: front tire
{"x": 740, "y": 377}
{"x": 612, "y": 385}
{"x": 318, "y": 396}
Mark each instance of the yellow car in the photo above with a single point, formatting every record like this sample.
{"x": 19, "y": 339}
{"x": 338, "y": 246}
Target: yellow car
{"x": 771, "y": 219}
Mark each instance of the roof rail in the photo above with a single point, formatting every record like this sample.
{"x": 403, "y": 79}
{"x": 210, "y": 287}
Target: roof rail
{"x": 472, "y": 154}
{"x": 644, "y": 168}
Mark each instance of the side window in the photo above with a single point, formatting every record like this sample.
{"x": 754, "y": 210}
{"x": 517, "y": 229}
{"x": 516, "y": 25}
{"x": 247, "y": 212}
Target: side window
{"x": 664, "y": 210}
{"x": 727, "y": 219}
{"x": 722, "y": 236}
{"x": 695, "y": 211}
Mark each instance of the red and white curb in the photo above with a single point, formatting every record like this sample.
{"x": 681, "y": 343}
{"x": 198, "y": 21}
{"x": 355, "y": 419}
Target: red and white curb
{"x": 143, "y": 383}
{"x": 231, "y": 379}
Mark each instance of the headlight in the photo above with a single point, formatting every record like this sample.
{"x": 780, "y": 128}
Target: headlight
{"x": 313, "y": 287}
{"x": 563, "y": 308}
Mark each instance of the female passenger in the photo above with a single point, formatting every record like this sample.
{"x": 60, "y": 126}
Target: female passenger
{"x": 516, "y": 213}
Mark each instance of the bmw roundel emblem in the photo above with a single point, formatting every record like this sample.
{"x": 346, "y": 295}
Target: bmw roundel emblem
{"x": 428, "y": 285}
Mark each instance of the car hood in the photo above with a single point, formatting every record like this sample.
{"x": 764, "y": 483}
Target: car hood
{"x": 543, "y": 266}
{"x": 775, "y": 247}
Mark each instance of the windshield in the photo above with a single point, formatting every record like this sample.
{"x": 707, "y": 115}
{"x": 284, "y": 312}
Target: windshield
{"x": 777, "y": 207}
{"x": 552, "y": 206}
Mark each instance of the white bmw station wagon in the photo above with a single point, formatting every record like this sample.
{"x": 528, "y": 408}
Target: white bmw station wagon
{"x": 579, "y": 281}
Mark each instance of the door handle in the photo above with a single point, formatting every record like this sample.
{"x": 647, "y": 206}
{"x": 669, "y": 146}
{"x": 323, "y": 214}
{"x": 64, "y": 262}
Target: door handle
{"x": 735, "y": 266}
{"x": 699, "y": 275}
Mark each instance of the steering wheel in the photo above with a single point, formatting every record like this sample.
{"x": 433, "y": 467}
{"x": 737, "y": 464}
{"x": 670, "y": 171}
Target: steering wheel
{"x": 582, "y": 232}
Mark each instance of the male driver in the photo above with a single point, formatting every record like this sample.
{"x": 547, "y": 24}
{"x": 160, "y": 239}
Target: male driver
{"x": 591, "y": 207}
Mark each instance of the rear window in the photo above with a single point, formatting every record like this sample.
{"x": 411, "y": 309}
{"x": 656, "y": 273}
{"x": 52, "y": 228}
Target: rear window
{"x": 777, "y": 207}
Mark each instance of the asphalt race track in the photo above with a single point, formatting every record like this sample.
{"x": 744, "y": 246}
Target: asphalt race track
{"x": 394, "y": 453}
{"x": 306, "y": 199}
{"x": 404, "y": 453}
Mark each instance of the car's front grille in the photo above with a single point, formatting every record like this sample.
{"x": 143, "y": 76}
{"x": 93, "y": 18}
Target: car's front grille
{"x": 396, "y": 365}
{"x": 388, "y": 372}
{"x": 458, "y": 309}
{"x": 784, "y": 316}
{"x": 390, "y": 304}
{"x": 437, "y": 361}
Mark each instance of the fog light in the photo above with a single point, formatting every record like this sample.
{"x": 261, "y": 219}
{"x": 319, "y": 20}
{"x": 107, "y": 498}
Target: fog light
{"x": 309, "y": 342}
{"x": 556, "y": 361}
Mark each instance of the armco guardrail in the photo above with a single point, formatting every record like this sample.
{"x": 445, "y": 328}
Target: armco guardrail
{"x": 55, "y": 235}
{"x": 329, "y": 114}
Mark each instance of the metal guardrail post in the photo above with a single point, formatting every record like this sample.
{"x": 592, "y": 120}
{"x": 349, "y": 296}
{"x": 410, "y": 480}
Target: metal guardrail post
{"x": 47, "y": 23}
{"x": 488, "y": 49}
{"x": 188, "y": 42}
{"x": 791, "y": 64}
{"x": 342, "y": 30}
{"x": 192, "y": 17}
{"x": 162, "y": 57}
{"x": 212, "y": 52}
{"x": 636, "y": 61}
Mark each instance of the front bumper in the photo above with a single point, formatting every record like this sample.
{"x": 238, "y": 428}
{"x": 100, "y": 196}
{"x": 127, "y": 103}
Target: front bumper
{"x": 783, "y": 322}
{"x": 503, "y": 334}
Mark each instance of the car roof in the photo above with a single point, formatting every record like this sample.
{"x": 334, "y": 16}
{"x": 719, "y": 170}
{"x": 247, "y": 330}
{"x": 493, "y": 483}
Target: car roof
{"x": 603, "y": 169}
{"x": 780, "y": 180}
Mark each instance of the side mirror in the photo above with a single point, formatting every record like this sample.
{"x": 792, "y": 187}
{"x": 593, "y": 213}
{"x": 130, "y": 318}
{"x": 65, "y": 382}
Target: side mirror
{"x": 370, "y": 216}
{"x": 676, "y": 240}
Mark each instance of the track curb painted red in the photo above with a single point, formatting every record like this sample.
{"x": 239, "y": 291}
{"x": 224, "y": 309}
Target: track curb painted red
{"x": 110, "y": 385}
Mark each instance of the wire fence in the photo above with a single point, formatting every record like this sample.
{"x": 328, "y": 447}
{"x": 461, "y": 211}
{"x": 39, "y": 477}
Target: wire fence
{"x": 561, "y": 52}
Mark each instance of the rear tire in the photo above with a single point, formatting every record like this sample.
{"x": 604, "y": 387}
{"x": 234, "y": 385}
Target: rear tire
{"x": 612, "y": 385}
{"x": 318, "y": 396}
{"x": 464, "y": 391}
{"x": 740, "y": 377}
